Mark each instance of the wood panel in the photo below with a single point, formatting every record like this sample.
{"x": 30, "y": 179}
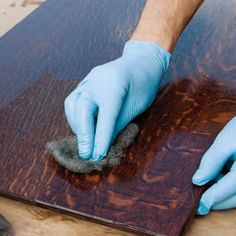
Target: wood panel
{"x": 151, "y": 192}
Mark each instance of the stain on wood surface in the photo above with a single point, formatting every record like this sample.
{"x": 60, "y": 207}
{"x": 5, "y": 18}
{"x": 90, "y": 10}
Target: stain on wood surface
{"x": 153, "y": 185}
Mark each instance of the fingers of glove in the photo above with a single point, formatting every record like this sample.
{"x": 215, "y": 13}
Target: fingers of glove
{"x": 129, "y": 111}
{"x": 218, "y": 177}
{"x": 69, "y": 107}
{"x": 226, "y": 204}
{"x": 106, "y": 121}
{"x": 217, "y": 155}
{"x": 227, "y": 133}
{"x": 231, "y": 164}
{"x": 85, "y": 110}
{"x": 217, "y": 193}
{"x": 212, "y": 163}
{"x": 233, "y": 158}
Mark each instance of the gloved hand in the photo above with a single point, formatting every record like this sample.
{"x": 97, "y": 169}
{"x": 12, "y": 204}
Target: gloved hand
{"x": 221, "y": 195}
{"x": 116, "y": 93}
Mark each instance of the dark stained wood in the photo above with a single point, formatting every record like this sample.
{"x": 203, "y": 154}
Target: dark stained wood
{"x": 65, "y": 39}
{"x": 42, "y": 60}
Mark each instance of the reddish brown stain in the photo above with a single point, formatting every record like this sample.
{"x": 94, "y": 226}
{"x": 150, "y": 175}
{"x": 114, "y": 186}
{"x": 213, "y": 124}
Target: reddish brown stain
{"x": 196, "y": 99}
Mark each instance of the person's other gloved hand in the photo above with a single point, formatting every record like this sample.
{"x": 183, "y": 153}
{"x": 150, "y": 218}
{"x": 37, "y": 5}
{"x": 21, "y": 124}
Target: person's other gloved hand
{"x": 116, "y": 93}
{"x": 221, "y": 195}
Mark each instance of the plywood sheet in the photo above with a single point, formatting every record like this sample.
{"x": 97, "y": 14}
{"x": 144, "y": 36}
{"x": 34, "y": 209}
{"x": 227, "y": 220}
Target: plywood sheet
{"x": 42, "y": 60}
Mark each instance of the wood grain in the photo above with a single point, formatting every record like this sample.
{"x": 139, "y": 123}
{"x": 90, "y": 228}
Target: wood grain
{"x": 153, "y": 184}
{"x": 29, "y": 220}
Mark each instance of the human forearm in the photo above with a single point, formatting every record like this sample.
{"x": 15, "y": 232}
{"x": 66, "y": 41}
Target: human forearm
{"x": 118, "y": 91}
{"x": 163, "y": 21}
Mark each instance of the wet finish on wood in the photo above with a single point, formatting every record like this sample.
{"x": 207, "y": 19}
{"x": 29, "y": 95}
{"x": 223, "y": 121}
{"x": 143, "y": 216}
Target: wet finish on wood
{"x": 151, "y": 191}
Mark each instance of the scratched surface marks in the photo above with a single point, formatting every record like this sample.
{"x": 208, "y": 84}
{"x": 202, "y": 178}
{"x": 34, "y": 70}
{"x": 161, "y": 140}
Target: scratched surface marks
{"x": 42, "y": 60}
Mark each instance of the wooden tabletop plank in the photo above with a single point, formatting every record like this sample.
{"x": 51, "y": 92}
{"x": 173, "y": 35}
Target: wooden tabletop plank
{"x": 175, "y": 135}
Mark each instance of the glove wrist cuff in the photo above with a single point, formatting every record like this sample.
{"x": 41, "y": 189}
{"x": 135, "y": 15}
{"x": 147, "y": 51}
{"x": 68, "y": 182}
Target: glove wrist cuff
{"x": 154, "y": 50}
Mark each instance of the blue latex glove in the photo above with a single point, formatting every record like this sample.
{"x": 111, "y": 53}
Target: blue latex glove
{"x": 116, "y": 93}
{"x": 221, "y": 195}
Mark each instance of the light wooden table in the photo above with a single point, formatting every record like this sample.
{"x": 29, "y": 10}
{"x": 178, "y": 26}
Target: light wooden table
{"x": 28, "y": 220}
